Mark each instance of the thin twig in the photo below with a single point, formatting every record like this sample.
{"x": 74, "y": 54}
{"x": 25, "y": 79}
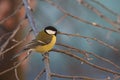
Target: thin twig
{"x": 80, "y": 19}
{"x": 95, "y": 39}
{"x": 106, "y": 8}
{"x": 16, "y": 74}
{"x": 60, "y": 19}
{"x": 6, "y": 43}
{"x": 47, "y": 66}
{"x": 13, "y": 34}
{"x": 15, "y": 45}
{"x": 20, "y": 42}
{"x": 39, "y": 74}
{"x": 84, "y": 52}
{"x": 100, "y": 14}
{"x": 10, "y": 38}
{"x": 73, "y": 77}
{"x": 4, "y": 35}
{"x": 87, "y": 62}
{"x": 17, "y": 65}
{"x": 116, "y": 77}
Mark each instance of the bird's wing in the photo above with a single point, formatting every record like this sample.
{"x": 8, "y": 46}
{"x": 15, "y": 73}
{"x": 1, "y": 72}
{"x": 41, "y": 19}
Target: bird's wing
{"x": 34, "y": 43}
{"x": 29, "y": 46}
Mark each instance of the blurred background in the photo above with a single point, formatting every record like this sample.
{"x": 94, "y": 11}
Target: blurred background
{"x": 46, "y": 14}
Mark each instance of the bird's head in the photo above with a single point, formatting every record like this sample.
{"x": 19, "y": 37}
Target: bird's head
{"x": 50, "y": 30}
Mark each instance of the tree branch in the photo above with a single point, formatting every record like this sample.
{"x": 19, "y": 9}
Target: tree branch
{"x": 95, "y": 39}
{"x": 11, "y": 37}
{"x": 114, "y": 24}
{"x": 30, "y": 17}
{"x": 47, "y": 66}
{"x": 17, "y": 65}
{"x": 73, "y": 77}
{"x": 2, "y": 49}
{"x": 106, "y": 8}
{"x": 94, "y": 24}
{"x": 39, "y": 74}
{"x": 16, "y": 74}
{"x": 85, "y": 61}
{"x": 86, "y": 52}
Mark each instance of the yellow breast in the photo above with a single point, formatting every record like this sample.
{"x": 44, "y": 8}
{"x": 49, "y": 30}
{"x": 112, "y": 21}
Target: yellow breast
{"x": 47, "y": 47}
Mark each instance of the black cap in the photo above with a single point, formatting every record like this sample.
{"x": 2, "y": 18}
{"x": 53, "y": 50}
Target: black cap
{"x": 50, "y": 28}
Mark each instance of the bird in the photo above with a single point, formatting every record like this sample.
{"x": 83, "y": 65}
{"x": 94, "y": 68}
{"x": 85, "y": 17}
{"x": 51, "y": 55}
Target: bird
{"x": 44, "y": 41}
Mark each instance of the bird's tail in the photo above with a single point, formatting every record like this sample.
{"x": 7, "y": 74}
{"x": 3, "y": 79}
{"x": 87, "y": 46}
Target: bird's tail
{"x": 19, "y": 53}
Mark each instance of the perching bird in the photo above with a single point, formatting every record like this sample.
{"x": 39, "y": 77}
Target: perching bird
{"x": 44, "y": 41}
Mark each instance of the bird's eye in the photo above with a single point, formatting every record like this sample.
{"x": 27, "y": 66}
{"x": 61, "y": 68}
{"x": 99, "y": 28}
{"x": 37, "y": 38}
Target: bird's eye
{"x": 51, "y": 32}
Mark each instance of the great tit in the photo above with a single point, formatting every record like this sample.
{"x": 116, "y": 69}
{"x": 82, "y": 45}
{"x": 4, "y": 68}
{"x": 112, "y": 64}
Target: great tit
{"x": 44, "y": 41}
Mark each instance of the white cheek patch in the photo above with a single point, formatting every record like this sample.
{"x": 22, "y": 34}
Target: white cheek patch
{"x": 50, "y": 32}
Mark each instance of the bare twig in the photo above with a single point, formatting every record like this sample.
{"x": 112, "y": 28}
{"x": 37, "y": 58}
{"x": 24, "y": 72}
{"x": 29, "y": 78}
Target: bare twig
{"x": 95, "y": 39}
{"x": 73, "y": 77}
{"x": 86, "y": 52}
{"x": 13, "y": 34}
{"x": 17, "y": 44}
{"x": 87, "y": 62}
{"x": 80, "y": 19}
{"x": 17, "y": 65}
{"x": 40, "y": 74}
{"x": 114, "y": 24}
{"x": 10, "y": 38}
{"x": 104, "y": 59}
{"x": 7, "y": 70}
{"x": 106, "y": 8}
{"x": 47, "y": 66}
{"x": 30, "y": 17}
{"x": 116, "y": 77}
{"x": 5, "y": 44}
{"x": 60, "y": 20}
{"x": 20, "y": 42}
{"x": 4, "y": 35}
{"x": 16, "y": 74}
